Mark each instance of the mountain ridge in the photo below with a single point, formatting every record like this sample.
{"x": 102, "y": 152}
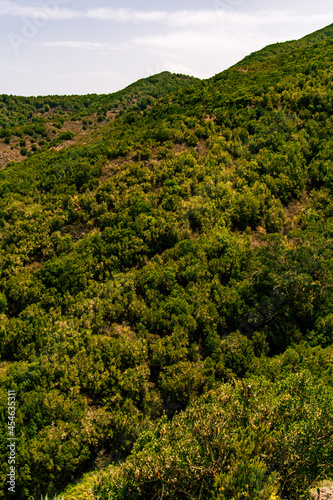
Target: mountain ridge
{"x": 50, "y": 121}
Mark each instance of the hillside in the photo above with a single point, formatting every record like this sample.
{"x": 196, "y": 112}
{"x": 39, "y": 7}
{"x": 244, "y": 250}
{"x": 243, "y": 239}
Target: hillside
{"x": 166, "y": 285}
{"x": 33, "y": 124}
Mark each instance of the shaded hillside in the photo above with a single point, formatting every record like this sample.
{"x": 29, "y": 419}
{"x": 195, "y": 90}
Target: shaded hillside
{"x": 172, "y": 270}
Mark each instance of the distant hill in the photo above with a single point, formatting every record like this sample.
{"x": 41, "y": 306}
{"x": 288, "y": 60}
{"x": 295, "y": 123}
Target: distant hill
{"x": 166, "y": 303}
{"x": 31, "y": 124}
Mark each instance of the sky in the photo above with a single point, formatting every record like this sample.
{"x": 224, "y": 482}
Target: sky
{"x": 98, "y": 46}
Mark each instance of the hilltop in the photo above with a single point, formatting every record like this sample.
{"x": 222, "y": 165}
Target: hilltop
{"x": 165, "y": 289}
{"x": 33, "y": 124}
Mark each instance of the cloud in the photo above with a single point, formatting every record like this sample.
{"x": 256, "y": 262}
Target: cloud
{"x": 50, "y": 9}
{"x": 177, "y": 68}
{"x": 57, "y": 10}
{"x": 125, "y": 15}
{"x": 200, "y": 41}
{"x": 195, "y": 18}
{"x": 101, "y": 48}
{"x": 271, "y": 17}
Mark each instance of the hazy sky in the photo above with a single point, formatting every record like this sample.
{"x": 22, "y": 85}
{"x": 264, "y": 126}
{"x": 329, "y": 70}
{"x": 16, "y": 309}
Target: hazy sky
{"x": 100, "y": 46}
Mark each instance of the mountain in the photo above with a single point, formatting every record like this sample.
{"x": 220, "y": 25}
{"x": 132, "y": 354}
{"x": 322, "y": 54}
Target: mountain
{"x": 31, "y": 124}
{"x": 165, "y": 288}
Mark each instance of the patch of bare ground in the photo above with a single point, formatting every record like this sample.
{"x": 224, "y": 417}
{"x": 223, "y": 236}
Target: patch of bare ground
{"x": 79, "y": 230}
{"x": 179, "y": 148}
{"x": 295, "y": 207}
{"x": 7, "y": 155}
{"x": 292, "y": 212}
{"x": 81, "y": 134}
{"x": 323, "y": 492}
{"x": 202, "y": 147}
{"x": 111, "y": 115}
{"x": 34, "y": 266}
{"x": 64, "y": 144}
{"x": 113, "y": 166}
{"x": 75, "y": 127}
{"x": 257, "y": 237}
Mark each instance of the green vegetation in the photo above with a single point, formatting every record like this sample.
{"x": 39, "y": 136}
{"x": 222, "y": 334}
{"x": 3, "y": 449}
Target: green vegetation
{"x": 31, "y": 124}
{"x": 165, "y": 287}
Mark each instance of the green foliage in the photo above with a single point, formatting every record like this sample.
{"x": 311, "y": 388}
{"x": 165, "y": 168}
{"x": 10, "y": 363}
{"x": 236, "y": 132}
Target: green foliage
{"x": 165, "y": 282}
{"x": 246, "y": 440}
{"x": 29, "y": 118}
{"x": 247, "y": 479}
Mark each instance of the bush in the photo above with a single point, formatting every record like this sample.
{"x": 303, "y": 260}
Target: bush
{"x": 250, "y": 439}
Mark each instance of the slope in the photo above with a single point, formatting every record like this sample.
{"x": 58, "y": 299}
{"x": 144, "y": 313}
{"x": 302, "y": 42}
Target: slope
{"x": 325, "y": 34}
{"x": 184, "y": 247}
{"x": 31, "y": 124}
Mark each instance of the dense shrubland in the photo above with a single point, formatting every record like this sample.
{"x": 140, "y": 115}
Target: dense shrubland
{"x": 31, "y": 124}
{"x": 165, "y": 290}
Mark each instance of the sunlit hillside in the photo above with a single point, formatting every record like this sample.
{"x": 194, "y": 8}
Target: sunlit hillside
{"x": 166, "y": 284}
